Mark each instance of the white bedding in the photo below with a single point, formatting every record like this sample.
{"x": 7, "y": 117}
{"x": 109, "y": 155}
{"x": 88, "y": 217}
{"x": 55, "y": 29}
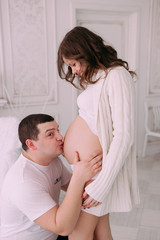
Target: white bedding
{"x": 10, "y": 146}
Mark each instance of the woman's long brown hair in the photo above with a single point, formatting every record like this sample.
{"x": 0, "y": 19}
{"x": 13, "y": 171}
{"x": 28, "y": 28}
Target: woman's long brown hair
{"x": 85, "y": 46}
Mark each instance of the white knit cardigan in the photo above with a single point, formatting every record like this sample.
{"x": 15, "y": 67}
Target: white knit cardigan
{"x": 116, "y": 126}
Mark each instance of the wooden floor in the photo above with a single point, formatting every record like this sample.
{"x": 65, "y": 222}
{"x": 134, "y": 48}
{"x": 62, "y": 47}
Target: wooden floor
{"x": 143, "y": 223}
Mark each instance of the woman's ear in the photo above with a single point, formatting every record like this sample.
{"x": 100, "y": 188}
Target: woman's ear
{"x": 30, "y": 144}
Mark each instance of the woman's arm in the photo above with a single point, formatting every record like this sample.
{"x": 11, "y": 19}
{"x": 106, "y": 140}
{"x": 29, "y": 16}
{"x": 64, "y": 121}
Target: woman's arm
{"x": 65, "y": 187}
{"x": 119, "y": 94}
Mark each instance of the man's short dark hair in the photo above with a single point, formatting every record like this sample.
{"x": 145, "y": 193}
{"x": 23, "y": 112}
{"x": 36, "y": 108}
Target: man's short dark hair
{"x": 28, "y": 127}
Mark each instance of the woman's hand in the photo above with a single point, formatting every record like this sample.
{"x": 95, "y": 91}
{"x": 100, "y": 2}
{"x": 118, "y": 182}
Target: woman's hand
{"x": 89, "y": 201}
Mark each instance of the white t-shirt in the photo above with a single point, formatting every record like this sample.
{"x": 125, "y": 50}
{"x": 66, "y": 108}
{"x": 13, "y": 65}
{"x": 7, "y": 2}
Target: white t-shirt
{"x": 30, "y": 190}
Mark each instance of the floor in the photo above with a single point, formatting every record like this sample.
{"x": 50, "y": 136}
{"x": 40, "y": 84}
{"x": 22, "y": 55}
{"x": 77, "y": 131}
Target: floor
{"x": 143, "y": 223}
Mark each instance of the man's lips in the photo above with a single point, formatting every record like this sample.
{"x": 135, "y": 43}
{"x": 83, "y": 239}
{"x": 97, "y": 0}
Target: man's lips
{"x": 61, "y": 145}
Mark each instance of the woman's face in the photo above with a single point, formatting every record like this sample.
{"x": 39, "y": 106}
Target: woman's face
{"x": 76, "y": 66}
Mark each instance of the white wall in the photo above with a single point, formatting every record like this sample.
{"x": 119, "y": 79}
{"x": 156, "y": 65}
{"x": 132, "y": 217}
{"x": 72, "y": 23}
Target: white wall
{"x": 30, "y": 33}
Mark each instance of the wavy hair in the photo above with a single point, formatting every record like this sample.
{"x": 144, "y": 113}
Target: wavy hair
{"x": 85, "y": 46}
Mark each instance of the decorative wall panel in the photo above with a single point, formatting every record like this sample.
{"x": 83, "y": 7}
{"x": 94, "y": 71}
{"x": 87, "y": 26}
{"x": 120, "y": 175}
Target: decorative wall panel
{"x": 30, "y": 59}
{"x": 154, "y": 60}
{"x": 1, "y": 65}
{"x": 3, "y": 101}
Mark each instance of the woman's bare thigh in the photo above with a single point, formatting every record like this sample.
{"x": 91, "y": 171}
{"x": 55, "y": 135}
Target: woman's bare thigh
{"x": 85, "y": 227}
{"x": 103, "y": 231}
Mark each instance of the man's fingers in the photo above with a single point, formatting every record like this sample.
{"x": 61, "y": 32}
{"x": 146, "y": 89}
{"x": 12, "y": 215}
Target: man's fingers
{"x": 96, "y": 160}
{"x": 97, "y": 155}
{"x": 97, "y": 165}
{"x": 76, "y": 157}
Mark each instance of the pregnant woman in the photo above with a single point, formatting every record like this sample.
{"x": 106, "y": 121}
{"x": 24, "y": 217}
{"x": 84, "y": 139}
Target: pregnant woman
{"x": 106, "y": 124}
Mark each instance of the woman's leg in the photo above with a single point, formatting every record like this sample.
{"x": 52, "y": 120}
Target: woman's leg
{"x": 103, "y": 231}
{"x": 85, "y": 227}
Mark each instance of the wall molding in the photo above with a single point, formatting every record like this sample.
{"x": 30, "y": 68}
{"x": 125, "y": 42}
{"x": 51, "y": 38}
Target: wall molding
{"x": 3, "y": 102}
{"x": 2, "y": 99}
{"x": 153, "y": 81}
{"x": 28, "y": 30}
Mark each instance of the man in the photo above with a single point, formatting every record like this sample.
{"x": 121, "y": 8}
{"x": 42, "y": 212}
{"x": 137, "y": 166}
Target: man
{"x": 30, "y": 192}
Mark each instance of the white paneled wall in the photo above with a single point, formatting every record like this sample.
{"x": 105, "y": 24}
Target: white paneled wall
{"x": 154, "y": 51}
{"x": 28, "y": 51}
{"x": 30, "y": 33}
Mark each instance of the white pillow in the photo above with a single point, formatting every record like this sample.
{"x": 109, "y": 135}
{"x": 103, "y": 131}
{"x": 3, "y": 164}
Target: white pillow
{"x": 10, "y": 146}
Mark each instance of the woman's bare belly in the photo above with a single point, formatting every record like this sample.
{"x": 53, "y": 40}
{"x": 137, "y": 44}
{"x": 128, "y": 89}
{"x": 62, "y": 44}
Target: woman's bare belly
{"x": 80, "y": 138}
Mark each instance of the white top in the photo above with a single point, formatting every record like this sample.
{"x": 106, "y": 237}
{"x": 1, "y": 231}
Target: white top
{"x": 30, "y": 190}
{"x": 116, "y": 185}
{"x": 87, "y": 109}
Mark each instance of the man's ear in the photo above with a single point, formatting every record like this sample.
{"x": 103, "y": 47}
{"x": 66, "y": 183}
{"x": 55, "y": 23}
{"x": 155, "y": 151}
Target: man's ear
{"x": 30, "y": 144}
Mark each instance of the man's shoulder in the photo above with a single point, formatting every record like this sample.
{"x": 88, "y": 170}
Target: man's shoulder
{"x": 15, "y": 167}
{"x": 57, "y": 162}
{"x": 12, "y": 178}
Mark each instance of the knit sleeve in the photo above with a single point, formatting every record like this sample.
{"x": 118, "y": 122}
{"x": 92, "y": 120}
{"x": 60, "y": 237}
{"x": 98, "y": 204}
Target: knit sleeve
{"x": 119, "y": 94}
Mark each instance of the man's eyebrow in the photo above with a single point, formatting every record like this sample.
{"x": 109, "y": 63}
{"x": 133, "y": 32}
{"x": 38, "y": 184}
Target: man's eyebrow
{"x": 51, "y": 129}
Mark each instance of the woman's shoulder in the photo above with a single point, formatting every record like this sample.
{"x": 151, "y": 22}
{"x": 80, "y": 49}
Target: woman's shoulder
{"x": 115, "y": 76}
{"x": 119, "y": 73}
{"x": 111, "y": 76}
{"x": 118, "y": 69}
{"x": 111, "y": 71}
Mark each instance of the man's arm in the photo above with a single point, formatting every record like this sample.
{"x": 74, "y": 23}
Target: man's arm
{"x": 62, "y": 220}
{"x": 65, "y": 187}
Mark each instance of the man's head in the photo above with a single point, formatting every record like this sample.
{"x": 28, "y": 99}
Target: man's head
{"x": 28, "y": 127}
{"x": 39, "y": 134}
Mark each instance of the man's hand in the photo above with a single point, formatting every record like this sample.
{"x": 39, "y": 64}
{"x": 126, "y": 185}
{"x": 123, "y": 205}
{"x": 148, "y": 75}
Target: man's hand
{"x": 88, "y": 168}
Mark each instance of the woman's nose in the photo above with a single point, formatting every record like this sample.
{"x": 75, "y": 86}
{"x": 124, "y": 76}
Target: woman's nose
{"x": 74, "y": 70}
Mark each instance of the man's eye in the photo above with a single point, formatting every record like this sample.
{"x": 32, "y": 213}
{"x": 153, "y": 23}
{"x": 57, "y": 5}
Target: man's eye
{"x": 50, "y": 134}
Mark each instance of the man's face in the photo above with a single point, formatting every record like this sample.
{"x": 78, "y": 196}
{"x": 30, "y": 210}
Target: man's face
{"x": 50, "y": 141}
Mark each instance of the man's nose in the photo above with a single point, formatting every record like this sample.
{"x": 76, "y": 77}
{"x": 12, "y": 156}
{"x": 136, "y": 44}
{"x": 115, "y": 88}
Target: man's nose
{"x": 59, "y": 136}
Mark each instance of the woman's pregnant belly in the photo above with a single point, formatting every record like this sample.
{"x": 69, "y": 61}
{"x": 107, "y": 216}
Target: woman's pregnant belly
{"x": 80, "y": 138}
